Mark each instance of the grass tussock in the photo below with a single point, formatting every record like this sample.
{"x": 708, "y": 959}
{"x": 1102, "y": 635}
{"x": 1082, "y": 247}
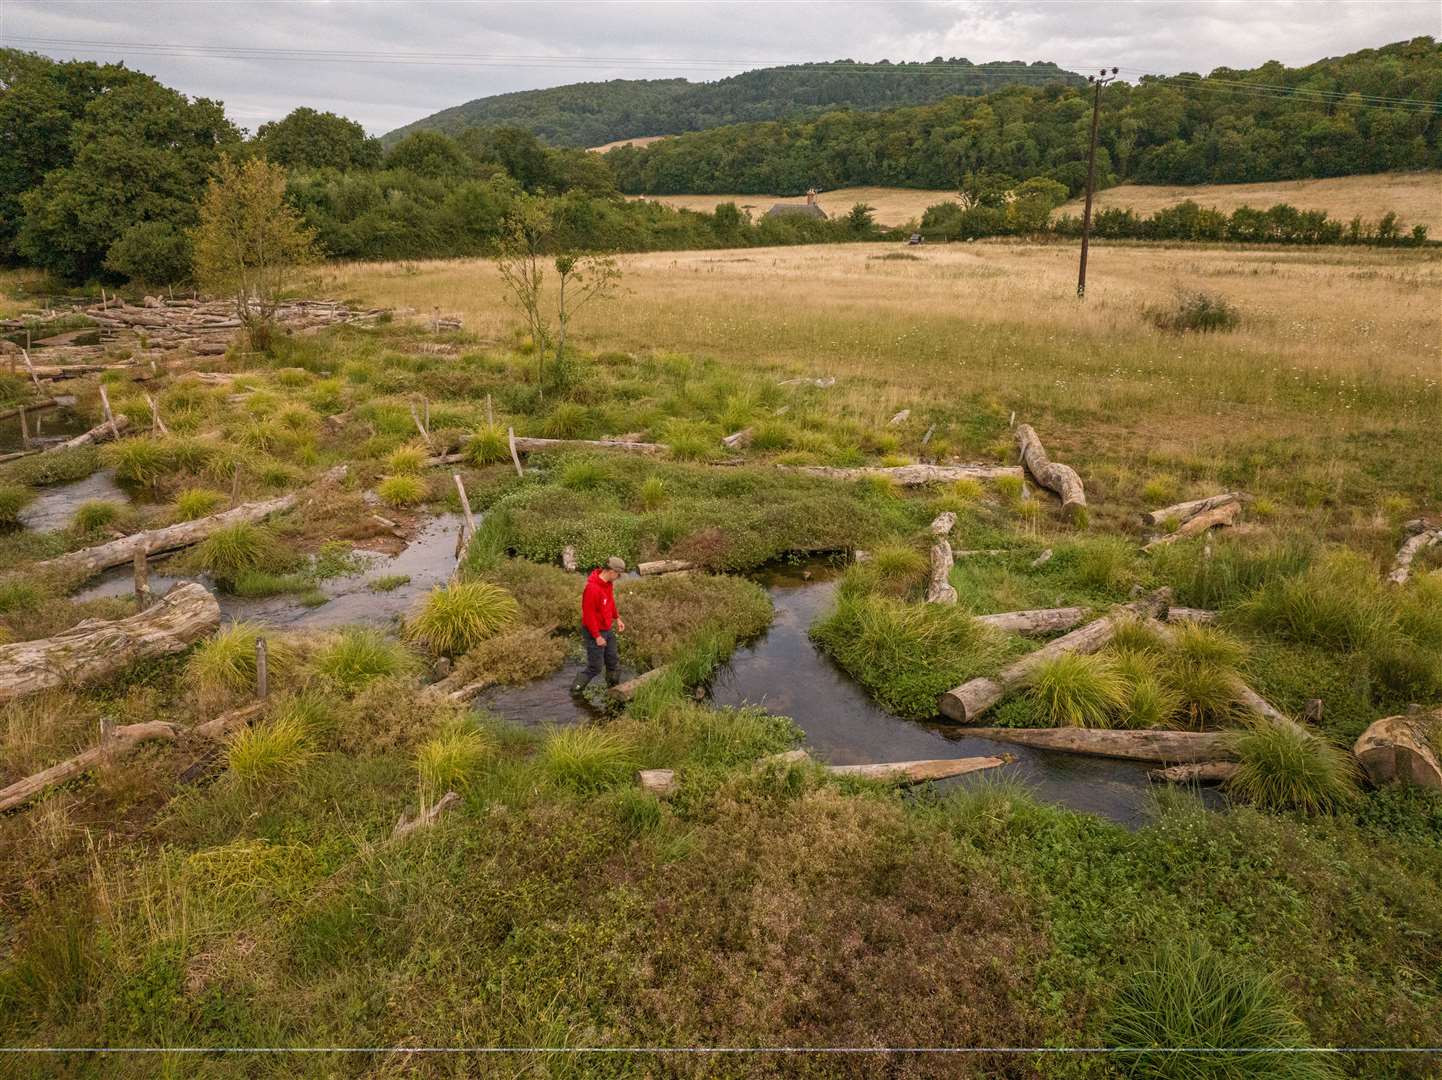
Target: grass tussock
{"x": 1077, "y": 690}
{"x": 359, "y": 654}
{"x": 403, "y": 490}
{"x": 459, "y": 616}
{"x": 222, "y": 667}
{"x": 195, "y": 502}
{"x": 450, "y": 759}
{"x": 1188, "y": 995}
{"x": 512, "y": 657}
{"x": 1287, "y": 767}
{"x": 234, "y": 549}
{"x": 1196, "y": 311}
{"x": 587, "y": 759}
{"x": 264, "y": 753}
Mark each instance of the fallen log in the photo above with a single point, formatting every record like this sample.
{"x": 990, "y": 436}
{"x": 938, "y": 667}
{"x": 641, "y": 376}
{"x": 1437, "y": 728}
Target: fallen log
{"x": 1217, "y": 517}
{"x": 95, "y": 649}
{"x": 428, "y": 816}
{"x": 664, "y": 566}
{"x": 659, "y": 782}
{"x": 528, "y": 446}
{"x": 737, "y": 440}
{"x": 966, "y": 702}
{"x": 1410, "y": 549}
{"x": 900, "y": 418}
{"x": 1162, "y": 747}
{"x": 225, "y": 723}
{"x": 917, "y": 772}
{"x": 1191, "y": 615}
{"x": 823, "y": 383}
{"x": 1401, "y": 748}
{"x": 627, "y": 690}
{"x": 30, "y": 407}
{"x": 1202, "y": 772}
{"x": 99, "y": 433}
{"x": 90, "y": 561}
{"x": 1060, "y": 479}
{"x": 939, "y": 590}
{"x": 1037, "y": 621}
{"x": 121, "y": 742}
{"x": 1183, "y": 512}
{"x": 909, "y": 475}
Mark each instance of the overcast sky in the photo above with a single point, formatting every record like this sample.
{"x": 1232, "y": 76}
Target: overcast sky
{"x": 350, "y": 56}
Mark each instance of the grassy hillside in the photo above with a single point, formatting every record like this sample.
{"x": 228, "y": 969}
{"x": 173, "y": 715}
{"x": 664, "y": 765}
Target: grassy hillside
{"x": 590, "y": 114}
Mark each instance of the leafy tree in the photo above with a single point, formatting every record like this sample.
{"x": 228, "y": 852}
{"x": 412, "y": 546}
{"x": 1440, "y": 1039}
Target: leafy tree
{"x": 430, "y": 154}
{"x": 250, "y": 242}
{"x": 139, "y": 152}
{"x": 861, "y": 219}
{"x": 152, "y": 252}
{"x": 317, "y": 140}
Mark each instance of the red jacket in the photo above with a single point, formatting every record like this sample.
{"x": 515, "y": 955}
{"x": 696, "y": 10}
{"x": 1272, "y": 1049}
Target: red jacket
{"x": 598, "y": 604}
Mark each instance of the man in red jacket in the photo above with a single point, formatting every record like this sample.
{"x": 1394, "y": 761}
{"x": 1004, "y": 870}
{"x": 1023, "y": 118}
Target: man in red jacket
{"x": 600, "y": 623}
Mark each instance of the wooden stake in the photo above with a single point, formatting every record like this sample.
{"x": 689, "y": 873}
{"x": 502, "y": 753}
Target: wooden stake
{"x": 262, "y": 671}
{"x": 142, "y": 580}
{"x": 515, "y": 457}
{"x": 435, "y": 319}
{"x": 420, "y": 426}
{"x": 155, "y": 421}
{"x": 28, "y": 365}
{"x": 24, "y": 428}
{"x": 490, "y": 416}
{"x": 109, "y": 416}
{"x": 465, "y": 505}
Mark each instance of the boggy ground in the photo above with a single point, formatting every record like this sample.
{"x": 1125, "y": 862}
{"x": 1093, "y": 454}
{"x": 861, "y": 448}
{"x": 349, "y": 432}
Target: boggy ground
{"x": 760, "y": 906}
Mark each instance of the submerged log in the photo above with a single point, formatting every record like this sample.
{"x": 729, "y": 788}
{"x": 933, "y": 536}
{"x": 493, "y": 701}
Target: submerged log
{"x": 1410, "y": 549}
{"x": 1037, "y": 621}
{"x": 1062, "y": 480}
{"x": 916, "y": 772}
{"x": 1217, "y": 517}
{"x": 97, "y": 648}
{"x": 971, "y": 699}
{"x": 92, "y": 560}
{"x": 1183, "y": 512}
{"x": 1203, "y": 772}
{"x": 119, "y": 743}
{"x": 1162, "y": 747}
{"x": 29, "y": 407}
{"x": 909, "y": 475}
{"x": 1401, "y": 748}
{"x": 428, "y": 816}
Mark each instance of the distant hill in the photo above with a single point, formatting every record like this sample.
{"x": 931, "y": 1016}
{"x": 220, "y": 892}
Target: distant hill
{"x": 594, "y": 113}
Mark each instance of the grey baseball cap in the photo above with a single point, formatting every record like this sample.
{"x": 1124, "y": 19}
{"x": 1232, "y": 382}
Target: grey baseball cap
{"x": 617, "y": 564}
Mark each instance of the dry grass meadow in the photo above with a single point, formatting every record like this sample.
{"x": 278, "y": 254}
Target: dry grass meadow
{"x": 892, "y": 206}
{"x": 1332, "y": 377}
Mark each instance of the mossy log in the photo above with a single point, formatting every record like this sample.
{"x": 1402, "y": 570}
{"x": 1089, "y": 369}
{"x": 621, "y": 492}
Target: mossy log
{"x": 1036, "y": 621}
{"x": 971, "y": 699}
{"x": 1162, "y": 747}
{"x": 92, "y": 560}
{"x": 119, "y": 743}
{"x": 1412, "y": 547}
{"x": 1402, "y": 748}
{"x": 1061, "y": 480}
{"x": 95, "y": 649}
{"x": 1185, "y": 511}
{"x": 1202, "y": 772}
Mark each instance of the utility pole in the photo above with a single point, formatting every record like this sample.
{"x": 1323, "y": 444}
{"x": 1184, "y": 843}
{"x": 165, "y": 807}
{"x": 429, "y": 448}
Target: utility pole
{"x": 1098, "y": 80}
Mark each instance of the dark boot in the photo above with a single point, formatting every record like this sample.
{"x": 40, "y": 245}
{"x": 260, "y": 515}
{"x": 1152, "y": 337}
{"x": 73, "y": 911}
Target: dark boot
{"x": 612, "y": 678}
{"x": 579, "y": 686}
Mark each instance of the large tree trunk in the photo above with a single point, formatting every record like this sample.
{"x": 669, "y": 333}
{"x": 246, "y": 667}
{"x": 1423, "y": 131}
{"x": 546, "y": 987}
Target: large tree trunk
{"x": 120, "y": 743}
{"x": 971, "y": 699}
{"x": 97, "y": 648}
{"x": 1401, "y": 748}
{"x": 1037, "y": 621}
{"x": 916, "y": 772}
{"x": 910, "y": 475}
{"x": 1163, "y": 747}
{"x": 1183, "y": 512}
{"x": 90, "y": 561}
{"x": 1062, "y": 480}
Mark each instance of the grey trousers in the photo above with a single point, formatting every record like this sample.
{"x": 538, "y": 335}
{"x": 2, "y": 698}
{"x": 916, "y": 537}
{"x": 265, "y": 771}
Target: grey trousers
{"x": 596, "y": 655}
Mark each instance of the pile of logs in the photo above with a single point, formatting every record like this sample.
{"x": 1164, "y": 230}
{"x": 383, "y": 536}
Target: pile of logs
{"x": 1195, "y": 517}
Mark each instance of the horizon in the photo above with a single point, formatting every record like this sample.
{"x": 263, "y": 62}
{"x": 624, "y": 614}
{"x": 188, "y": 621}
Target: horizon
{"x": 507, "y": 48}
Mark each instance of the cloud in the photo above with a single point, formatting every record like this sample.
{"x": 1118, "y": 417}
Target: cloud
{"x": 473, "y": 50}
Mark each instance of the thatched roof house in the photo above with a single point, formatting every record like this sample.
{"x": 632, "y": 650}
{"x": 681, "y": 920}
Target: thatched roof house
{"x": 810, "y": 208}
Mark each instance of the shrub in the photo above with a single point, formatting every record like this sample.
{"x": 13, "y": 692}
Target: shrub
{"x": 1287, "y": 767}
{"x": 1077, "y": 690}
{"x": 1196, "y": 311}
{"x": 455, "y": 618}
{"x": 233, "y": 549}
{"x": 448, "y": 760}
{"x": 13, "y": 499}
{"x": 407, "y": 461}
{"x": 266, "y": 752}
{"x": 359, "y": 654}
{"x": 587, "y": 759}
{"x": 487, "y": 446}
{"x": 95, "y": 514}
{"x": 1186, "y": 995}
{"x": 403, "y": 490}
{"x": 224, "y": 665}
{"x": 653, "y": 493}
{"x": 193, "y": 503}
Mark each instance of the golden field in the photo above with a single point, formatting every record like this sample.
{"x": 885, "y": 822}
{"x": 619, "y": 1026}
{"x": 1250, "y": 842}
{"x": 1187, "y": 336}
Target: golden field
{"x": 892, "y": 206}
{"x": 1332, "y": 375}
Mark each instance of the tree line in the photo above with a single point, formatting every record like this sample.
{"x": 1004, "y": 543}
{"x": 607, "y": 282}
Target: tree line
{"x": 1370, "y": 111}
{"x": 594, "y": 113}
